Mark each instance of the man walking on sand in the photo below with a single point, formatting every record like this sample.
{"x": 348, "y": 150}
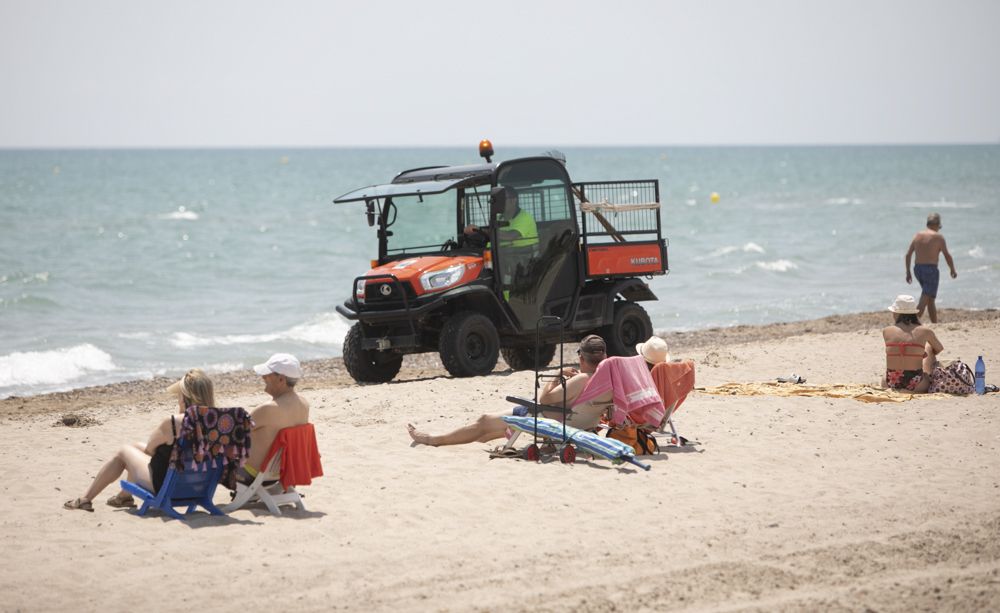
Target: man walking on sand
{"x": 928, "y": 245}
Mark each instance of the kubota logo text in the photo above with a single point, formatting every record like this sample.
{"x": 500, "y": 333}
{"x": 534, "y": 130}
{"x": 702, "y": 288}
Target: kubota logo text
{"x": 643, "y": 261}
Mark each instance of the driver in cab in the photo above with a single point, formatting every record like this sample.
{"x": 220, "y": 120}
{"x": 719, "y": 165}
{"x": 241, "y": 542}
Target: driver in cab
{"x": 520, "y": 230}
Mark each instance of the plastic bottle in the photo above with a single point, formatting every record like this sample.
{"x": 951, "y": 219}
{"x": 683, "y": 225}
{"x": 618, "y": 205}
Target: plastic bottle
{"x": 980, "y": 376}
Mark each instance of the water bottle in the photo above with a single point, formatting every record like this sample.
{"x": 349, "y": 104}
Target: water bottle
{"x": 980, "y": 376}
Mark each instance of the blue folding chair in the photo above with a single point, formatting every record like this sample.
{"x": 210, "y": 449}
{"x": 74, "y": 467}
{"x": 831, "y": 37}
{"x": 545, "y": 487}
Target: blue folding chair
{"x": 193, "y": 486}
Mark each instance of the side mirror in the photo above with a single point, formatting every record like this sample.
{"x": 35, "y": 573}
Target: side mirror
{"x": 370, "y": 212}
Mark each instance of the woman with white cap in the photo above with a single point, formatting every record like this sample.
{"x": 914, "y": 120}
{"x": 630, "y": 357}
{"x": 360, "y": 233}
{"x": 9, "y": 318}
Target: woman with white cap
{"x": 147, "y": 464}
{"x": 910, "y": 348}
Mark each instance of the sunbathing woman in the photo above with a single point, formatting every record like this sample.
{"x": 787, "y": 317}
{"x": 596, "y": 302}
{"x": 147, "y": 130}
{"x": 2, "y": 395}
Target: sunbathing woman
{"x": 488, "y": 427}
{"x": 147, "y": 463}
{"x": 910, "y": 349}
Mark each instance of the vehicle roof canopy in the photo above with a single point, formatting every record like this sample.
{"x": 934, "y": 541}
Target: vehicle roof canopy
{"x": 438, "y": 179}
{"x": 422, "y": 181}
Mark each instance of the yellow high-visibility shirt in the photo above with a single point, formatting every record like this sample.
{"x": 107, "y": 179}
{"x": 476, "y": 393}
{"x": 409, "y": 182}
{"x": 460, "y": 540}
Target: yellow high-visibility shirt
{"x": 524, "y": 224}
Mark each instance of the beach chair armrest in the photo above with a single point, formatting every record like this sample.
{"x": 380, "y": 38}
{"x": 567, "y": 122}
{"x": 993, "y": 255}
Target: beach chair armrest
{"x": 535, "y": 408}
{"x": 136, "y": 490}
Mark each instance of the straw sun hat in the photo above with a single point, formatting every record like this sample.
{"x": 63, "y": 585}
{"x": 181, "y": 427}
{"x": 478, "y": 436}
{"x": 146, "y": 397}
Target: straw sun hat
{"x": 654, "y": 350}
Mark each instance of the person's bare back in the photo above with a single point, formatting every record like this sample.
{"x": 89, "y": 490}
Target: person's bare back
{"x": 288, "y": 409}
{"x": 927, "y": 246}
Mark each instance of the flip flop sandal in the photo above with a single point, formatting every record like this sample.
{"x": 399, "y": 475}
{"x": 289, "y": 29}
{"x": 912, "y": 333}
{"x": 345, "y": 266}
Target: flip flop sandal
{"x": 78, "y": 505}
{"x": 500, "y": 452}
{"x": 121, "y": 500}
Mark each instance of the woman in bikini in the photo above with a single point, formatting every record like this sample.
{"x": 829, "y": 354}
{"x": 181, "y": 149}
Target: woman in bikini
{"x": 147, "y": 463}
{"x": 910, "y": 349}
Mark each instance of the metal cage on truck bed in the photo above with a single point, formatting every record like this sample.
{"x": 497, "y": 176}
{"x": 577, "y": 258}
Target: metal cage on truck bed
{"x": 620, "y": 228}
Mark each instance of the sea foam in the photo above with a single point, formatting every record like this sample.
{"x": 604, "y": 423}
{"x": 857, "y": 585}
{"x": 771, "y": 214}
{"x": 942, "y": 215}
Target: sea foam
{"x": 750, "y": 247}
{"x": 843, "y": 201}
{"x": 939, "y": 204}
{"x": 181, "y": 214}
{"x": 52, "y": 367}
{"x": 324, "y": 329}
{"x": 777, "y": 265}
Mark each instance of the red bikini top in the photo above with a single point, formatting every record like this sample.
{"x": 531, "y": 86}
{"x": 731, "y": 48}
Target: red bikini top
{"x": 901, "y": 348}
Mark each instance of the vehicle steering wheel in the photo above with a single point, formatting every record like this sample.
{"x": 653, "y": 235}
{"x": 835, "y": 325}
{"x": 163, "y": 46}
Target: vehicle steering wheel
{"x": 449, "y": 244}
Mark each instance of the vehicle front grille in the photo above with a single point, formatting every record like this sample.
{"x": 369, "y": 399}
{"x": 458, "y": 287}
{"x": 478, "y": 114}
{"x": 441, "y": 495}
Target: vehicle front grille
{"x": 386, "y": 293}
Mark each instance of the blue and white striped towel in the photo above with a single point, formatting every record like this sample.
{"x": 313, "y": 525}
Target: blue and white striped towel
{"x": 608, "y": 448}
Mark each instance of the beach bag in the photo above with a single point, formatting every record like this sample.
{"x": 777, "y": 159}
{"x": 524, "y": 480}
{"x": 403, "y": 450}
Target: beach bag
{"x": 640, "y": 440}
{"x": 955, "y": 378}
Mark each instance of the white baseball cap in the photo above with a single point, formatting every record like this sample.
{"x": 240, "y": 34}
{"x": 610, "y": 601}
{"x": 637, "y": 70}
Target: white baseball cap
{"x": 281, "y": 363}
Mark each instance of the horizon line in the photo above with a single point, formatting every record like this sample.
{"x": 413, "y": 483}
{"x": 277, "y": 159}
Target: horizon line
{"x": 513, "y": 146}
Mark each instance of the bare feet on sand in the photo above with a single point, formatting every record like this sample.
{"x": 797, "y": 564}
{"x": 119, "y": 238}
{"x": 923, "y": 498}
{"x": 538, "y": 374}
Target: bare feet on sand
{"x": 418, "y": 436}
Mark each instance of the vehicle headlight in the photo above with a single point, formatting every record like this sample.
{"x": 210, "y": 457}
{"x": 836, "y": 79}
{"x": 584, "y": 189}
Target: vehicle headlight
{"x": 439, "y": 279}
{"x": 359, "y": 290}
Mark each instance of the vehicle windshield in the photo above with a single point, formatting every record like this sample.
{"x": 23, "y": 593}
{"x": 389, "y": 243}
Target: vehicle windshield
{"x": 421, "y": 223}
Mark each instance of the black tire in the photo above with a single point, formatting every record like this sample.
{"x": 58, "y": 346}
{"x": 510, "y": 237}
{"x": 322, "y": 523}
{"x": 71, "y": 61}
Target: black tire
{"x": 630, "y": 327}
{"x": 523, "y": 358}
{"x": 469, "y": 345}
{"x": 369, "y": 365}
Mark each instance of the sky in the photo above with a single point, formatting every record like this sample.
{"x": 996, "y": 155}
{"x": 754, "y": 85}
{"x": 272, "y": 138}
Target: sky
{"x": 252, "y": 73}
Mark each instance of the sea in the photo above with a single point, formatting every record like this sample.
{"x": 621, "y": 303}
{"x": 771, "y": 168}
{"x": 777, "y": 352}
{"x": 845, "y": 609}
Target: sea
{"x": 120, "y": 265}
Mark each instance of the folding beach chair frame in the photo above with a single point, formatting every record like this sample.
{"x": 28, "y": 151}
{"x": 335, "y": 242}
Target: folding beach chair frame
{"x": 190, "y": 488}
{"x": 267, "y": 489}
{"x": 565, "y": 449}
{"x": 675, "y": 439}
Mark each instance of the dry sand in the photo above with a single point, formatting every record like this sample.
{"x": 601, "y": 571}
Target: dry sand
{"x": 788, "y": 503}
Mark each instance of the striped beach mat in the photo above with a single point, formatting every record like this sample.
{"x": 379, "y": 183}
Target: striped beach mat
{"x": 607, "y": 448}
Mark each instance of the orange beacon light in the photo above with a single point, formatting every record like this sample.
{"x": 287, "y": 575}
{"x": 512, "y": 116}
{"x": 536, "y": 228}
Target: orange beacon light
{"x": 486, "y": 149}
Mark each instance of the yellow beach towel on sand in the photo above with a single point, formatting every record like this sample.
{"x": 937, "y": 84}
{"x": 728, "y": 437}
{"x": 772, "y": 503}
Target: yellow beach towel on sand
{"x": 864, "y": 393}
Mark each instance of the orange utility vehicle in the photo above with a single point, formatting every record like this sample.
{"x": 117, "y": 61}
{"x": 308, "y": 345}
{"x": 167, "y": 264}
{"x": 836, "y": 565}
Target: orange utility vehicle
{"x": 470, "y": 258}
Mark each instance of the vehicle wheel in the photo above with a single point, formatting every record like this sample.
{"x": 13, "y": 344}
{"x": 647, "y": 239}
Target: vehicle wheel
{"x": 523, "y": 358}
{"x": 631, "y": 327}
{"x": 369, "y": 365}
{"x": 469, "y": 345}
{"x": 531, "y": 453}
{"x": 568, "y": 454}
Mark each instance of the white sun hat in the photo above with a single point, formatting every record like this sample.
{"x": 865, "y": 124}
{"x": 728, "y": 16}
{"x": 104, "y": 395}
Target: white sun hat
{"x": 654, "y": 350}
{"x": 904, "y": 305}
{"x": 282, "y": 363}
{"x": 177, "y": 388}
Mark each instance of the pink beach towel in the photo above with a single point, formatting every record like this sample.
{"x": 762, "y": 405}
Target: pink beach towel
{"x": 631, "y": 387}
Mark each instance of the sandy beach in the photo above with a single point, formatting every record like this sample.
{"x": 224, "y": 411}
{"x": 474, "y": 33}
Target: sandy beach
{"x": 788, "y": 503}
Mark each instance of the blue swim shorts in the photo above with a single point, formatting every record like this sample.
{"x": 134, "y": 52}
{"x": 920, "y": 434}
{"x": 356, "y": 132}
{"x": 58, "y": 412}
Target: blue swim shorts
{"x": 928, "y": 275}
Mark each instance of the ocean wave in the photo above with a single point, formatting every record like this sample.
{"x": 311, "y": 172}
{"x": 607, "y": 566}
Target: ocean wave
{"x": 842, "y": 201}
{"x": 324, "y": 329}
{"x": 977, "y": 252}
{"x": 52, "y": 367}
{"x": 135, "y": 336}
{"x": 939, "y": 204}
{"x": 27, "y": 300}
{"x": 224, "y": 367}
{"x": 750, "y": 247}
{"x": 977, "y": 269}
{"x": 40, "y": 277}
{"x": 777, "y": 265}
{"x": 181, "y": 214}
